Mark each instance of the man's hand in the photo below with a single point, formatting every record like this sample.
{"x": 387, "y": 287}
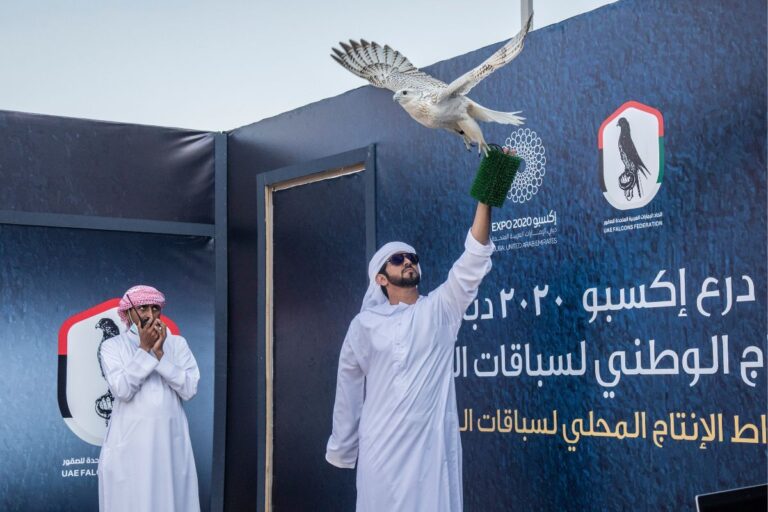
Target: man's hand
{"x": 481, "y": 226}
{"x": 148, "y": 335}
{"x": 152, "y": 337}
{"x": 162, "y": 333}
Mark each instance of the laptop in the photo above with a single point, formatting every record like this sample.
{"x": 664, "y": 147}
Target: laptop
{"x": 743, "y": 499}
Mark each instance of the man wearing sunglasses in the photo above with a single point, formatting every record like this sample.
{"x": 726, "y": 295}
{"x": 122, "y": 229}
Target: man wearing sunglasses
{"x": 395, "y": 410}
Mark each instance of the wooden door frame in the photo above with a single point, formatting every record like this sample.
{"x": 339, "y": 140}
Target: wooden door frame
{"x": 351, "y": 162}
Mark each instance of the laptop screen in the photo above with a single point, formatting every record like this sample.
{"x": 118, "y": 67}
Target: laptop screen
{"x": 745, "y": 499}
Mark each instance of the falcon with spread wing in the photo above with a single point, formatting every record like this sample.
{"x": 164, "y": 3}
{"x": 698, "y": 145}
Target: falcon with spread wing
{"x": 428, "y": 100}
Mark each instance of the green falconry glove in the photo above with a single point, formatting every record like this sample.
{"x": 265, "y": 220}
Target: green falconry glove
{"x": 494, "y": 176}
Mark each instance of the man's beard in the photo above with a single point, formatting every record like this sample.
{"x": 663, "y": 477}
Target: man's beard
{"x": 403, "y": 281}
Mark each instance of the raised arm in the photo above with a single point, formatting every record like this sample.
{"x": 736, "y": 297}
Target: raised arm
{"x": 481, "y": 227}
{"x": 460, "y": 289}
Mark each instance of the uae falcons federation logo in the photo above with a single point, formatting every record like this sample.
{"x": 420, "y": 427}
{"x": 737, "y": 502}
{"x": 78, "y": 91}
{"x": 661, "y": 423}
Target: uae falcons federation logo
{"x": 85, "y": 401}
{"x": 631, "y": 144}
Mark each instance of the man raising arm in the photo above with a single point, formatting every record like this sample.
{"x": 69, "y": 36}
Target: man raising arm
{"x": 395, "y": 410}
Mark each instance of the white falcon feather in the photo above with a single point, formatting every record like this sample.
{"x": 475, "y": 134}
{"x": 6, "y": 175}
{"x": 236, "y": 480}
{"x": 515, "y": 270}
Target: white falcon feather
{"x": 430, "y": 101}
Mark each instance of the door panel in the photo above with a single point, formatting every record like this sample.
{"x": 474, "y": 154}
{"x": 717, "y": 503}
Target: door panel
{"x": 319, "y": 278}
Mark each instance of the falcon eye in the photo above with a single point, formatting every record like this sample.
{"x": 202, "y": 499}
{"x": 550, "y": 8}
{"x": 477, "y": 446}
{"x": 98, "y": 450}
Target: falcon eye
{"x": 405, "y": 93}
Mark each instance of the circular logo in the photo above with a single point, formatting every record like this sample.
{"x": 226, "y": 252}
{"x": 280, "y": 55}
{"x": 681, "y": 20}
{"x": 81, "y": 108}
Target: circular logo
{"x": 531, "y": 173}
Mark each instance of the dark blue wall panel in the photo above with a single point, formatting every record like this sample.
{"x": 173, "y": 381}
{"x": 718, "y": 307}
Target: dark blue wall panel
{"x": 703, "y": 66}
{"x": 75, "y": 166}
{"x": 48, "y": 275}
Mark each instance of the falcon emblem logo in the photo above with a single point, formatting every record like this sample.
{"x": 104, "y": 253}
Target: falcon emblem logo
{"x": 85, "y": 401}
{"x": 631, "y": 145}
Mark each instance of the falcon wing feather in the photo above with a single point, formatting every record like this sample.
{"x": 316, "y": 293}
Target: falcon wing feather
{"x": 383, "y": 67}
{"x": 501, "y": 57}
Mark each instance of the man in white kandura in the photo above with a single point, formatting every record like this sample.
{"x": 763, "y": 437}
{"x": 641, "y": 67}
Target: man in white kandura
{"x": 146, "y": 462}
{"x": 395, "y": 411}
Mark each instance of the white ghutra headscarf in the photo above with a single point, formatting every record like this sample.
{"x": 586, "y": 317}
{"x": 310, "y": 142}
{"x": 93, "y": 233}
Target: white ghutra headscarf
{"x": 374, "y": 296}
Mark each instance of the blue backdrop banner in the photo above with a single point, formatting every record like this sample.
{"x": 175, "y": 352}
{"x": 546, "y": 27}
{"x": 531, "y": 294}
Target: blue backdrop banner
{"x": 57, "y": 288}
{"x": 615, "y": 358}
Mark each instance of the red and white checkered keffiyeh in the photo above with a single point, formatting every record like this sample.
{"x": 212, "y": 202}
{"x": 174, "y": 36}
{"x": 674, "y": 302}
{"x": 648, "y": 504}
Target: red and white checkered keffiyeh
{"x": 140, "y": 295}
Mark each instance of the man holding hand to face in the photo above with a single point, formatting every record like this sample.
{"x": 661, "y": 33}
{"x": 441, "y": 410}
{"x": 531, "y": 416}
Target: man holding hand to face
{"x": 146, "y": 461}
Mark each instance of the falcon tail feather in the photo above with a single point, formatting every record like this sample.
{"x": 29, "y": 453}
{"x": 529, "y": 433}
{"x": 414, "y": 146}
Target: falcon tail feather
{"x": 487, "y": 115}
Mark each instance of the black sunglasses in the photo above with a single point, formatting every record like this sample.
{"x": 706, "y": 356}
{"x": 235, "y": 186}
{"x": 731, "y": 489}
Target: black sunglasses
{"x": 399, "y": 258}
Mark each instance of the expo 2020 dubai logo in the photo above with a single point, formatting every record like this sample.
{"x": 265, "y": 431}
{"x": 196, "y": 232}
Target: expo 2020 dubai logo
{"x": 531, "y": 174}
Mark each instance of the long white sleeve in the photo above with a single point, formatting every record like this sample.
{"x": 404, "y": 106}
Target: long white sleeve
{"x": 125, "y": 377}
{"x": 342, "y": 447}
{"x": 146, "y": 460}
{"x": 464, "y": 278}
{"x": 182, "y": 374}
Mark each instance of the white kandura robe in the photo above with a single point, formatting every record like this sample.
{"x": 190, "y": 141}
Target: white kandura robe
{"x": 395, "y": 410}
{"x": 146, "y": 462}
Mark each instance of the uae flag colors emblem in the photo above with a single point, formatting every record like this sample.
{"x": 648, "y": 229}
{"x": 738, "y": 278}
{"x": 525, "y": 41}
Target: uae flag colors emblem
{"x": 631, "y": 146}
{"x": 84, "y": 398}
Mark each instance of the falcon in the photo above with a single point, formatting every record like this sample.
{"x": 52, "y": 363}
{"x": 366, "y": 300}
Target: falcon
{"x": 634, "y": 168}
{"x": 103, "y": 404}
{"x": 430, "y": 101}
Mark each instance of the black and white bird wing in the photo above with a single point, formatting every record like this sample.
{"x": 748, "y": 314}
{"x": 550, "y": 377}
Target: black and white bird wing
{"x": 624, "y": 157}
{"x": 384, "y": 67}
{"x": 108, "y": 330}
{"x": 500, "y": 58}
{"x": 630, "y": 157}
